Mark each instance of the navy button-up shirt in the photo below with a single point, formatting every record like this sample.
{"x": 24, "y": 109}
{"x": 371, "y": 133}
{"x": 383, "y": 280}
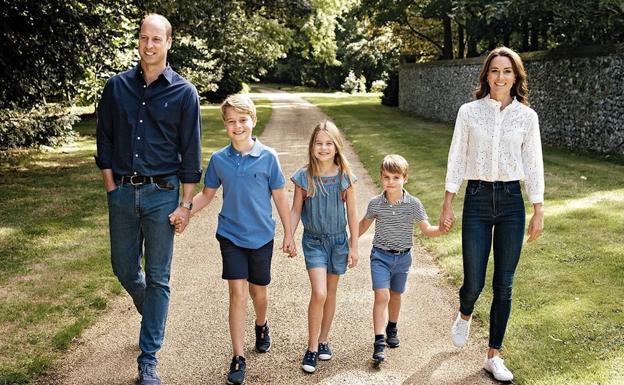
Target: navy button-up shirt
{"x": 149, "y": 130}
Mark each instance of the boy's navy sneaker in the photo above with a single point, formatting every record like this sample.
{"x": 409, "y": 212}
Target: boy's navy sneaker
{"x": 148, "y": 375}
{"x": 379, "y": 355}
{"x": 308, "y": 364}
{"x": 392, "y": 338}
{"x": 324, "y": 351}
{"x": 263, "y": 338}
{"x": 237, "y": 371}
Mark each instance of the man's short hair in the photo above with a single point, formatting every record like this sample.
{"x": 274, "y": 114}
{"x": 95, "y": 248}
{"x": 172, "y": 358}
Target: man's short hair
{"x": 168, "y": 30}
{"x": 241, "y": 103}
{"x": 394, "y": 164}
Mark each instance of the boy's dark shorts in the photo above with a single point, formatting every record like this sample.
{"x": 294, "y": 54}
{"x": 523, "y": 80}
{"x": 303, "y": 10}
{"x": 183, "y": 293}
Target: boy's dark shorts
{"x": 254, "y": 265}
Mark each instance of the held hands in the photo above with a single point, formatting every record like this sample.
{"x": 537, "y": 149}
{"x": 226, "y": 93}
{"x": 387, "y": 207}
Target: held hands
{"x": 288, "y": 246}
{"x": 180, "y": 219}
{"x": 352, "y": 258}
{"x": 447, "y": 219}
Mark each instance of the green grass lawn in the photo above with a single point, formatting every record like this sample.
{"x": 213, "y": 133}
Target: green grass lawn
{"x": 567, "y": 325}
{"x": 55, "y": 275}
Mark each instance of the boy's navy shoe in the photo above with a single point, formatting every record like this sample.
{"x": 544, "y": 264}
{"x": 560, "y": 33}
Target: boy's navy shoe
{"x": 392, "y": 338}
{"x": 324, "y": 351}
{"x": 379, "y": 355}
{"x": 263, "y": 338}
{"x": 308, "y": 364}
{"x": 237, "y": 371}
{"x": 148, "y": 375}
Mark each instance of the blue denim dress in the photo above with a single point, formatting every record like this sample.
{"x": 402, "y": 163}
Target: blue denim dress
{"x": 325, "y": 240}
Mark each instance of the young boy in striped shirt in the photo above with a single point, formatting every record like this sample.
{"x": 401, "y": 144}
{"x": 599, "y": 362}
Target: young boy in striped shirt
{"x": 396, "y": 211}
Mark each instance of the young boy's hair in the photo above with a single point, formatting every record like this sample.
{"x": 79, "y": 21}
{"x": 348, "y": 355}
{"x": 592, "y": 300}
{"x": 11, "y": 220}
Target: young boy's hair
{"x": 394, "y": 164}
{"x": 241, "y": 103}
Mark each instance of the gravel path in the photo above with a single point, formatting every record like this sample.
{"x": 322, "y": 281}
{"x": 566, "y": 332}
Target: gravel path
{"x": 197, "y": 346}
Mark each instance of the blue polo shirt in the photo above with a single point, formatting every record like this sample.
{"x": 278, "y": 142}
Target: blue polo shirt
{"x": 246, "y": 217}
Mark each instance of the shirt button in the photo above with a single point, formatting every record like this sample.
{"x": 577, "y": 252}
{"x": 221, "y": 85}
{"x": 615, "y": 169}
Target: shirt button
{"x": 141, "y": 121}
{"x": 136, "y": 155}
{"x": 138, "y": 137}
{"x": 144, "y": 85}
{"x": 143, "y": 103}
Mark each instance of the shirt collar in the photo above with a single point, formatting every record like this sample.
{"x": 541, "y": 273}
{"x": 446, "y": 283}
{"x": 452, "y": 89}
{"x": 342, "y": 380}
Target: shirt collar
{"x": 403, "y": 198}
{"x": 256, "y": 150}
{"x": 167, "y": 72}
{"x": 495, "y": 103}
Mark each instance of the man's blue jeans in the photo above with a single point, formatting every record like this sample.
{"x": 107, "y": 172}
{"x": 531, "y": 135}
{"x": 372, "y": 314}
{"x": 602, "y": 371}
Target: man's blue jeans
{"x": 139, "y": 227}
{"x": 493, "y": 215}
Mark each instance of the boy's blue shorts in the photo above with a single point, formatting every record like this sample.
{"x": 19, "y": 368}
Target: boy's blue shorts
{"x": 389, "y": 270}
{"x": 329, "y": 251}
{"x": 254, "y": 265}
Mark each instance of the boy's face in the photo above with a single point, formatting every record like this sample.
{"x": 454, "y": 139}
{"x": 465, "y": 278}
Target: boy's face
{"x": 239, "y": 125}
{"x": 393, "y": 183}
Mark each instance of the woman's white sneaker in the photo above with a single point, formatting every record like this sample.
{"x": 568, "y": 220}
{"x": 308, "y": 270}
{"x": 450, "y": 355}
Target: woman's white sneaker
{"x": 496, "y": 366}
{"x": 460, "y": 331}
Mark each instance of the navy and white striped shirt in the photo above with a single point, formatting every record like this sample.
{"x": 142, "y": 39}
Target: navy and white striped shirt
{"x": 394, "y": 225}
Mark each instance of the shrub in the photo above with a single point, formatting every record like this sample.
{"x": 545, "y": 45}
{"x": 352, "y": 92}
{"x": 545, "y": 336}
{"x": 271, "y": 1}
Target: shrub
{"x": 353, "y": 84}
{"x": 378, "y": 86}
{"x": 48, "y": 125}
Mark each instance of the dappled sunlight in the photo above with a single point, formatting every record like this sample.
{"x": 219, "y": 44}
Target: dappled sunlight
{"x": 590, "y": 201}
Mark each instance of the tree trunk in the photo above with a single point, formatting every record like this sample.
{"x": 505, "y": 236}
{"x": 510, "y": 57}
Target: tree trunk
{"x": 534, "y": 46}
{"x": 525, "y": 35}
{"x": 461, "y": 41}
{"x": 447, "y": 52}
{"x": 472, "y": 39}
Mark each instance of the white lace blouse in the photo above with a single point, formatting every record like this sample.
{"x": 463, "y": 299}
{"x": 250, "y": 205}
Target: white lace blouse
{"x": 493, "y": 145}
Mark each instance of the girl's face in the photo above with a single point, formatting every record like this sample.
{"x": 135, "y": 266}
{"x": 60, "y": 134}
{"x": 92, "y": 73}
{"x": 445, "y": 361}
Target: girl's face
{"x": 324, "y": 147}
{"x": 501, "y": 76}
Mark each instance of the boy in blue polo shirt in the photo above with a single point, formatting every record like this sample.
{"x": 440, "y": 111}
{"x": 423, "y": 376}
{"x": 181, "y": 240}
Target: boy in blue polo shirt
{"x": 251, "y": 175}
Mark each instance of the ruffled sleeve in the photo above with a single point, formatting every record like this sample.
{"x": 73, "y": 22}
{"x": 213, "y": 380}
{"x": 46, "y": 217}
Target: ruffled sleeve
{"x": 345, "y": 183}
{"x": 300, "y": 179}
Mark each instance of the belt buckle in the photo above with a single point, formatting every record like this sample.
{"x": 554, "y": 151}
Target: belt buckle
{"x": 132, "y": 181}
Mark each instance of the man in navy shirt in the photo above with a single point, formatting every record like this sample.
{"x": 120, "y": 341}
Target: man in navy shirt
{"x": 148, "y": 143}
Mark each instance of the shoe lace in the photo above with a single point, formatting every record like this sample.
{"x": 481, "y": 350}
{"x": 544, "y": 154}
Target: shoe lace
{"x": 148, "y": 370}
{"x": 499, "y": 364}
{"x": 310, "y": 355}
{"x": 323, "y": 346}
{"x": 236, "y": 364}
{"x": 461, "y": 327}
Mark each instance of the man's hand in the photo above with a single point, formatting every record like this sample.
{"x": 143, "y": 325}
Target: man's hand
{"x": 288, "y": 246}
{"x": 180, "y": 219}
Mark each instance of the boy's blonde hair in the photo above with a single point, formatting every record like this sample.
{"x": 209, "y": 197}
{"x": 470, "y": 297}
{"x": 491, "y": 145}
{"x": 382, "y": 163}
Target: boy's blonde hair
{"x": 394, "y": 164}
{"x": 339, "y": 159}
{"x": 241, "y": 103}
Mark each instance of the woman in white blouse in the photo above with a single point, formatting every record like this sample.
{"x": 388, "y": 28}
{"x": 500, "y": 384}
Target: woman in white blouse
{"x": 496, "y": 143}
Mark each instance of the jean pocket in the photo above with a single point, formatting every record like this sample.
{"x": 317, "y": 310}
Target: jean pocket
{"x": 473, "y": 189}
{"x": 165, "y": 187}
{"x": 113, "y": 190}
{"x": 513, "y": 189}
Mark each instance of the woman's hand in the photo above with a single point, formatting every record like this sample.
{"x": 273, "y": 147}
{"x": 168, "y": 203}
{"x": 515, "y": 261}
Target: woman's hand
{"x": 536, "y": 224}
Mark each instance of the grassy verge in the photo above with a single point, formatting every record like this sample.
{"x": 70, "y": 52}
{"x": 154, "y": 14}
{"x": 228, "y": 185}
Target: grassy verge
{"x": 567, "y": 325}
{"x": 55, "y": 275}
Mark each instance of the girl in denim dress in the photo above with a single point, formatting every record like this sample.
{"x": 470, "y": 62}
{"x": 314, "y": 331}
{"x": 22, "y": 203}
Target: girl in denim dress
{"x": 323, "y": 189}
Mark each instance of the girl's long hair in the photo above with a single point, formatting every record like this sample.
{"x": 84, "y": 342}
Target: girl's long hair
{"x": 520, "y": 88}
{"x": 339, "y": 159}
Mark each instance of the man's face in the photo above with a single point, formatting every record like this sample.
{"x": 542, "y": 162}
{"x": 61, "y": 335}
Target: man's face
{"x": 153, "y": 42}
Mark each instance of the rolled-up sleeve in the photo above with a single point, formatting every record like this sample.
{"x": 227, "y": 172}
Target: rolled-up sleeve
{"x": 190, "y": 139}
{"x": 533, "y": 162}
{"x": 457, "y": 157}
{"x": 104, "y": 130}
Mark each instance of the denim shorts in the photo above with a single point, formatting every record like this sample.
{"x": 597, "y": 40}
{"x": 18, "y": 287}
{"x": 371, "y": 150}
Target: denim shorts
{"x": 329, "y": 251}
{"x": 389, "y": 270}
{"x": 254, "y": 265}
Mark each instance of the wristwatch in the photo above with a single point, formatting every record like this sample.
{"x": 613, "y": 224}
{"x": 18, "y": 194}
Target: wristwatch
{"x": 187, "y": 205}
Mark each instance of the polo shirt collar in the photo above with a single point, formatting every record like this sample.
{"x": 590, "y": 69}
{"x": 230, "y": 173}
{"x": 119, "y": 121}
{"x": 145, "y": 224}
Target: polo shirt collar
{"x": 403, "y": 199}
{"x": 256, "y": 150}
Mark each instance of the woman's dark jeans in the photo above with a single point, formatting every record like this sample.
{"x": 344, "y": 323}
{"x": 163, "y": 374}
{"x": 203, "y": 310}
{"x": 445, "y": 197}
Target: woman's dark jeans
{"x": 492, "y": 211}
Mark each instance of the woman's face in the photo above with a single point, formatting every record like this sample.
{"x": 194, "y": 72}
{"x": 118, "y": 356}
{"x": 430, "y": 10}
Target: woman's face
{"x": 501, "y": 76}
